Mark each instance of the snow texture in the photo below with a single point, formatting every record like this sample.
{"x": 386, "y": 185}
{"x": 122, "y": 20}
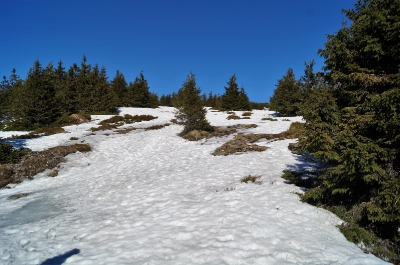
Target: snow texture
{"x": 151, "y": 197}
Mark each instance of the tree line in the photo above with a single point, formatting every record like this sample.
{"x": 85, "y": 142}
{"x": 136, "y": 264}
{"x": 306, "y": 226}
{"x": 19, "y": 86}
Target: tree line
{"x": 49, "y": 94}
{"x": 352, "y": 121}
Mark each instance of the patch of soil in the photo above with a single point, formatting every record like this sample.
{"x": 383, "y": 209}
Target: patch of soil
{"x": 35, "y": 162}
{"x": 240, "y": 143}
{"x": 219, "y": 131}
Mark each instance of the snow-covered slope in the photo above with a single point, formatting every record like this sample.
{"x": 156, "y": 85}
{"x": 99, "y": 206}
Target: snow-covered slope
{"x": 150, "y": 197}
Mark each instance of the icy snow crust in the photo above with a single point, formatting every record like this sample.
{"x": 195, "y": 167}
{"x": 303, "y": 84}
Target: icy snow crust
{"x": 150, "y": 197}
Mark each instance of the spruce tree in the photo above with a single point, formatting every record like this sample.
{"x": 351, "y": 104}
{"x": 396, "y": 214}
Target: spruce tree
{"x": 119, "y": 86}
{"x": 139, "y": 94}
{"x": 286, "y": 95}
{"x": 190, "y": 111}
{"x": 35, "y": 101}
{"x": 233, "y": 99}
{"x": 362, "y": 70}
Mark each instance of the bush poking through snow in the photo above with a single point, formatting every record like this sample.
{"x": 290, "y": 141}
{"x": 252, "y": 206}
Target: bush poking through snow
{"x": 299, "y": 179}
{"x": 191, "y": 112}
{"x": 247, "y": 113}
{"x": 250, "y": 178}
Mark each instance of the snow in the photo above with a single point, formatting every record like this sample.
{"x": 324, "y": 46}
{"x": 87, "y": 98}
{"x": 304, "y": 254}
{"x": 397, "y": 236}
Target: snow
{"x": 151, "y": 197}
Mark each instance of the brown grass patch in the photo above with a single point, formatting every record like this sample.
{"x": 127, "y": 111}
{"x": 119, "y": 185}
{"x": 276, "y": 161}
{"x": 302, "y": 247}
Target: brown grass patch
{"x": 250, "y": 178}
{"x": 269, "y": 119}
{"x": 245, "y": 142}
{"x": 40, "y": 132}
{"x": 117, "y": 121}
{"x": 35, "y": 162}
{"x": 157, "y": 127}
{"x": 233, "y": 117}
{"x": 239, "y": 144}
{"x": 17, "y": 196}
{"x": 247, "y": 113}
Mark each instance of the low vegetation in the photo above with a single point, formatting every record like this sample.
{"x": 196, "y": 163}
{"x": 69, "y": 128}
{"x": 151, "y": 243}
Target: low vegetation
{"x": 252, "y": 179}
{"x": 269, "y": 119}
{"x": 40, "y": 132}
{"x": 33, "y": 163}
{"x": 117, "y": 121}
{"x": 219, "y": 131}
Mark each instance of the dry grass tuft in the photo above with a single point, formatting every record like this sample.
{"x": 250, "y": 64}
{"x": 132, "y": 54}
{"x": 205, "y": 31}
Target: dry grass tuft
{"x": 269, "y": 119}
{"x": 250, "y": 178}
{"x": 233, "y": 117}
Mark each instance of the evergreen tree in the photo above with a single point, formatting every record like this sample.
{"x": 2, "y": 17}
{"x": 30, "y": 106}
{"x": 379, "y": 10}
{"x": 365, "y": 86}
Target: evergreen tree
{"x": 191, "y": 112}
{"x": 102, "y": 98}
{"x": 71, "y": 97}
{"x": 119, "y": 86}
{"x": 139, "y": 95}
{"x": 243, "y": 102}
{"x": 233, "y": 99}
{"x": 362, "y": 69}
{"x": 286, "y": 95}
{"x": 35, "y": 101}
{"x": 166, "y": 100}
{"x": 60, "y": 82}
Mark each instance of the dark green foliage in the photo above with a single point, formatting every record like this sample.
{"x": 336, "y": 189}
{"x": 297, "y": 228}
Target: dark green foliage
{"x": 34, "y": 102}
{"x": 353, "y": 121}
{"x": 286, "y": 95}
{"x": 119, "y": 86}
{"x": 10, "y": 155}
{"x": 234, "y": 99}
{"x": 259, "y": 105}
{"x": 166, "y": 100}
{"x": 299, "y": 179}
{"x": 191, "y": 112}
{"x": 138, "y": 94}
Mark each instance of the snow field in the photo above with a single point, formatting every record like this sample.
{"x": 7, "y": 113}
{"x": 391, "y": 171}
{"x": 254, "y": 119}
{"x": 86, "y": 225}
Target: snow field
{"x": 150, "y": 197}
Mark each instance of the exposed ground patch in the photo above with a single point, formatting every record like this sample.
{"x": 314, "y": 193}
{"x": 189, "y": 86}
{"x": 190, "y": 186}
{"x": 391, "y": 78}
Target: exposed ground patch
{"x": 35, "y": 162}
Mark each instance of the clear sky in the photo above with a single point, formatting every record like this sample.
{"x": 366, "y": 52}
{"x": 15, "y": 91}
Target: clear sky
{"x": 258, "y": 40}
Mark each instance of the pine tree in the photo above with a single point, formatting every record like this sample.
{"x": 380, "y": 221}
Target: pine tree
{"x": 139, "y": 94}
{"x": 35, "y": 101}
{"x": 286, "y": 95}
{"x": 233, "y": 99}
{"x": 362, "y": 70}
{"x": 243, "y": 102}
{"x": 119, "y": 86}
{"x": 166, "y": 100}
{"x": 191, "y": 112}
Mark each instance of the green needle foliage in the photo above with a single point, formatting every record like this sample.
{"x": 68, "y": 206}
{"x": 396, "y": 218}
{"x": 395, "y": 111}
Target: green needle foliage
{"x": 286, "y": 95}
{"x": 234, "y": 99}
{"x": 352, "y": 116}
{"x": 191, "y": 112}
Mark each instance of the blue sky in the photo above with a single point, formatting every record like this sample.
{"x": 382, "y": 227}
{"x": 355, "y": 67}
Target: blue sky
{"x": 258, "y": 40}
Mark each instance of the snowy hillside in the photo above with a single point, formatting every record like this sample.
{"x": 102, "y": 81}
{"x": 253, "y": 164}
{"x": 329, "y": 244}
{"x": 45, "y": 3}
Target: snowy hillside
{"x": 151, "y": 197}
